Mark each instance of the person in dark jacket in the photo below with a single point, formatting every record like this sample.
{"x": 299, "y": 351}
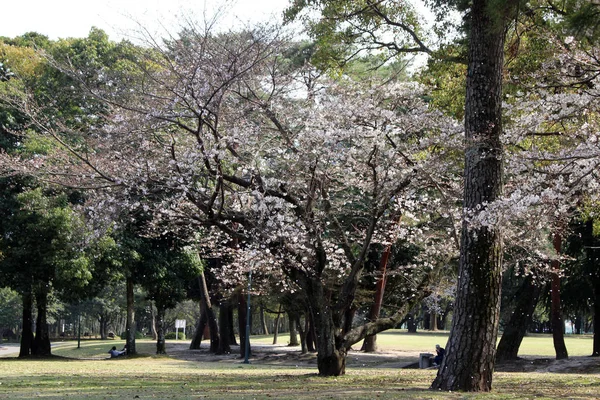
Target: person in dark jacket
{"x": 439, "y": 356}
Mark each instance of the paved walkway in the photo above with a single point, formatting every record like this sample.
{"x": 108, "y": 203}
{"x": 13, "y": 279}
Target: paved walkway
{"x": 9, "y": 349}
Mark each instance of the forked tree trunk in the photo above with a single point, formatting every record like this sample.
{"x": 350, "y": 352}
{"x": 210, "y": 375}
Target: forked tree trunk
{"x": 161, "y": 344}
{"x": 469, "y": 361}
{"x": 27, "y": 332}
{"x": 515, "y": 329}
{"x": 41, "y": 345}
{"x": 207, "y": 316}
{"x": 130, "y": 325}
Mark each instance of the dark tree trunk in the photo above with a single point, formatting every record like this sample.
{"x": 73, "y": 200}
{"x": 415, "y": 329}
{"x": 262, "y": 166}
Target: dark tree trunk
{"x": 515, "y": 329}
{"x": 557, "y": 321}
{"x": 232, "y": 338}
{"x": 263, "y": 322}
{"x": 469, "y": 361}
{"x": 161, "y": 345}
{"x": 199, "y": 334}
{"x": 276, "y": 327}
{"x": 293, "y": 330}
{"x": 433, "y": 321}
{"x": 303, "y": 347}
{"x": 130, "y": 327}
{"x": 578, "y": 324}
{"x": 411, "y": 324}
{"x": 242, "y": 322}
{"x": 41, "y": 346}
{"x": 331, "y": 361}
{"x": 310, "y": 333}
{"x": 224, "y": 328}
{"x": 27, "y": 333}
{"x": 103, "y": 322}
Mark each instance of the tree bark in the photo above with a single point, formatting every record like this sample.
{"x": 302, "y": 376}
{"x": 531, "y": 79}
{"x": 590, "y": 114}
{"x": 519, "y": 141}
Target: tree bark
{"x": 161, "y": 344}
{"x": 202, "y": 322}
{"x": 370, "y": 343}
{"x": 557, "y": 321}
{"x": 469, "y": 361}
{"x": 276, "y": 327}
{"x": 242, "y": 322}
{"x": 41, "y": 341}
{"x": 411, "y": 324}
{"x": 433, "y": 321}
{"x": 528, "y": 295}
{"x": 130, "y": 325}
{"x": 153, "y": 327}
{"x": 263, "y": 322}
{"x": 293, "y": 329}
{"x": 224, "y": 328}
{"x": 27, "y": 333}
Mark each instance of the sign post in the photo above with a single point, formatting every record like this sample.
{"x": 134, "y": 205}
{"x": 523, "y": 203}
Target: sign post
{"x": 179, "y": 323}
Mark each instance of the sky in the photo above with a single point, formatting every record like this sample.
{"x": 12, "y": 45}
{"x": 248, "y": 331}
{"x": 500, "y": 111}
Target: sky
{"x": 74, "y": 18}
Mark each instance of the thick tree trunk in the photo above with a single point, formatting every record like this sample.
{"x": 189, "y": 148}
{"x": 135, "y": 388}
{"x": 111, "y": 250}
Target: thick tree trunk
{"x": 161, "y": 344}
{"x": 130, "y": 325}
{"x": 41, "y": 345}
{"x": 27, "y": 333}
{"x": 331, "y": 361}
{"x": 515, "y": 329}
{"x": 470, "y": 352}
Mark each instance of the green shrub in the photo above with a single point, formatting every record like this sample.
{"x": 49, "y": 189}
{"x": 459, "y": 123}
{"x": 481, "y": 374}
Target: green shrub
{"x": 138, "y": 335}
{"x": 171, "y": 335}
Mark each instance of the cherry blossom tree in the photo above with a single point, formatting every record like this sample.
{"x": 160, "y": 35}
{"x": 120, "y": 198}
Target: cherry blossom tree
{"x": 221, "y": 132}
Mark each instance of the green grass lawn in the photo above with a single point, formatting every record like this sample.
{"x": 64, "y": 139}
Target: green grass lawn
{"x": 539, "y": 345}
{"x": 90, "y": 375}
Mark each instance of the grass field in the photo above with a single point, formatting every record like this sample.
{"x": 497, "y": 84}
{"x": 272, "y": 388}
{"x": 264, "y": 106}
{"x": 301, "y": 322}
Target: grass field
{"x": 87, "y": 374}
